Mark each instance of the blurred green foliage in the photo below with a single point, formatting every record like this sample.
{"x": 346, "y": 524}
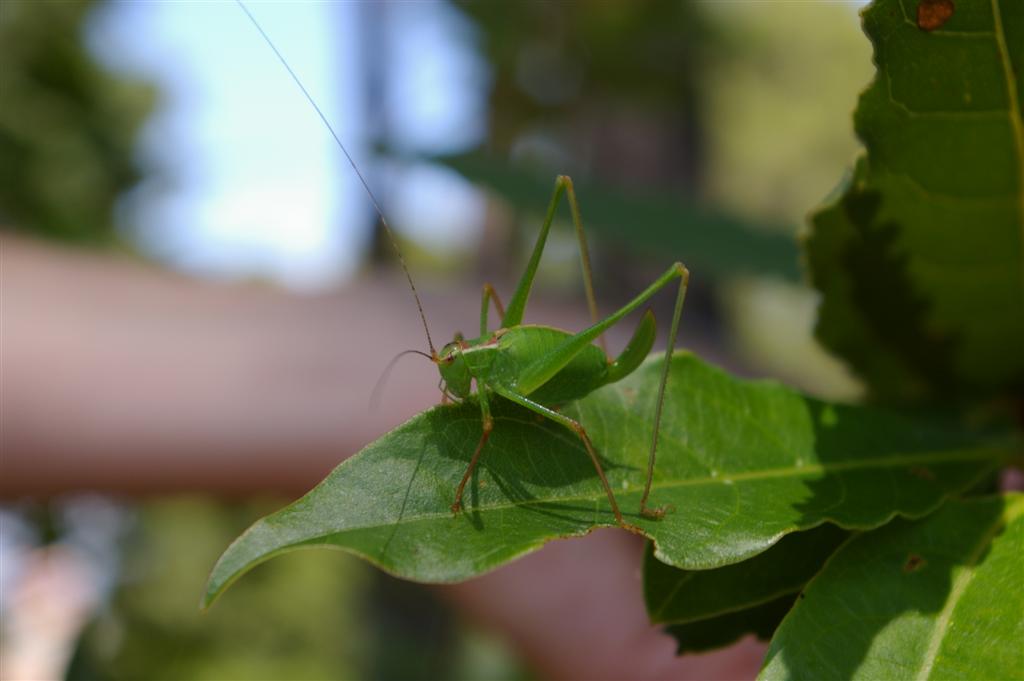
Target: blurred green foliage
{"x": 67, "y": 126}
{"x": 719, "y": 123}
{"x": 612, "y": 86}
{"x": 777, "y": 91}
{"x": 658, "y": 223}
{"x": 743, "y": 105}
{"x": 306, "y": 615}
{"x": 296, "y": 620}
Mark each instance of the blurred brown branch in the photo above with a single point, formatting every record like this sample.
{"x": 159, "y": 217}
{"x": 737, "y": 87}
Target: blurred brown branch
{"x": 121, "y": 377}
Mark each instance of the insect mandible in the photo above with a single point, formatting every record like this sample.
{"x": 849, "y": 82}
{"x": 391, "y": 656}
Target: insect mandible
{"x": 537, "y": 367}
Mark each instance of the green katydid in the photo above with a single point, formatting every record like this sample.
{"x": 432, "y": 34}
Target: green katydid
{"x": 537, "y": 367}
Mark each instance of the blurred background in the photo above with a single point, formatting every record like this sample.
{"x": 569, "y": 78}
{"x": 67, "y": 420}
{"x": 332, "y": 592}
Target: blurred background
{"x": 196, "y": 300}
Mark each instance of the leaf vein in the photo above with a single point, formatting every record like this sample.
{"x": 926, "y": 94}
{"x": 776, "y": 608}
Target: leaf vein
{"x": 959, "y": 586}
{"x": 1016, "y": 121}
{"x": 856, "y": 464}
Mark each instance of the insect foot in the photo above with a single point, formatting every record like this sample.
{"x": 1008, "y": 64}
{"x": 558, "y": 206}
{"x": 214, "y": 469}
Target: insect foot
{"x": 457, "y": 508}
{"x": 656, "y": 513}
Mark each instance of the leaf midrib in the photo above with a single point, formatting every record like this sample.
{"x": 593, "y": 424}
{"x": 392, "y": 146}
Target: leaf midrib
{"x": 859, "y": 464}
{"x": 1016, "y": 122}
{"x": 960, "y": 586}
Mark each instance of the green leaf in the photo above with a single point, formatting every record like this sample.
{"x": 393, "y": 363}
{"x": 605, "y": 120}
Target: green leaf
{"x": 743, "y": 463}
{"x": 937, "y": 598}
{"x": 717, "y": 632}
{"x": 715, "y": 243}
{"x": 680, "y": 596}
{"x": 920, "y": 258}
{"x": 711, "y": 608}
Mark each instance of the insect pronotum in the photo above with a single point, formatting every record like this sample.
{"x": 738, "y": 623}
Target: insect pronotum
{"x": 536, "y": 367}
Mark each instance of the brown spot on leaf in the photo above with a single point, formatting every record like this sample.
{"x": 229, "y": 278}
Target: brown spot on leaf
{"x": 914, "y": 563}
{"x": 923, "y": 473}
{"x": 932, "y": 14}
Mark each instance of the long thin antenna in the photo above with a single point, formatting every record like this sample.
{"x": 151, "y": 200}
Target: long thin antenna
{"x": 378, "y": 387}
{"x": 366, "y": 186}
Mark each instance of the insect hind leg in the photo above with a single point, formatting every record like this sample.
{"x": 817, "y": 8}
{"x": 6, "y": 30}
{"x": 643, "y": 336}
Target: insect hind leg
{"x": 659, "y": 512}
{"x": 517, "y": 305}
{"x": 576, "y": 427}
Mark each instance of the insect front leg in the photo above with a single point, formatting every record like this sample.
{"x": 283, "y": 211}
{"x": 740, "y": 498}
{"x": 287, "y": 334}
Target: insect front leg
{"x": 488, "y": 425}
